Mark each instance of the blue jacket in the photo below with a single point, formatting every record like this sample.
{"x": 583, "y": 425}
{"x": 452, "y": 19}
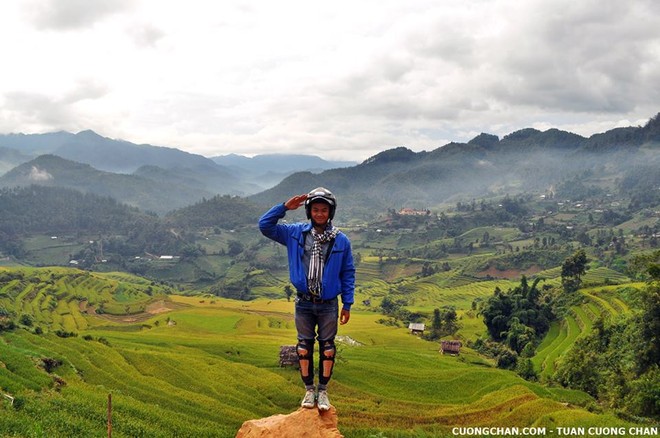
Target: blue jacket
{"x": 338, "y": 271}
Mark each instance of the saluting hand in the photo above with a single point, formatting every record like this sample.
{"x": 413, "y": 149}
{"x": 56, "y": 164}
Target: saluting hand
{"x": 295, "y": 202}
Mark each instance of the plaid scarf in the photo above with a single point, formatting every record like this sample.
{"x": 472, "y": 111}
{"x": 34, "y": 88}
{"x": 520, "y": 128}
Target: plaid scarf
{"x": 316, "y": 262}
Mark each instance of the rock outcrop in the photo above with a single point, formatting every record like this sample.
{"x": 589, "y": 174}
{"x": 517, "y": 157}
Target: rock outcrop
{"x": 308, "y": 423}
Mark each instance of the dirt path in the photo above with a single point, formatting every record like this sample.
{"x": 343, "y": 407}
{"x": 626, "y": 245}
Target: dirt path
{"x": 155, "y": 308}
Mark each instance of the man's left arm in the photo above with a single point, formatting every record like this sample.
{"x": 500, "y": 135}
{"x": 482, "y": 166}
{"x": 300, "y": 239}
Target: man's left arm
{"x": 347, "y": 284}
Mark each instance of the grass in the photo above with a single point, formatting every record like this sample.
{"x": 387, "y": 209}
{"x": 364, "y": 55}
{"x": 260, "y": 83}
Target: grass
{"x": 207, "y": 364}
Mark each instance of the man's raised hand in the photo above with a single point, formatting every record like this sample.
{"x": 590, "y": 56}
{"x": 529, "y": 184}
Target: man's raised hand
{"x": 295, "y": 202}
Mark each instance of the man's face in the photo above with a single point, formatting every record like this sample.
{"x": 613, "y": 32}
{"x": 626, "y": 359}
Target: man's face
{"x": 320, "y": 212}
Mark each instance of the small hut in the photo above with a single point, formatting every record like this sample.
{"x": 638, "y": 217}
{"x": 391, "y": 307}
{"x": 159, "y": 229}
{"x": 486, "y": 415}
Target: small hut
{"x": 451, "y": 347}
{"x": 416, "y": 328}
{"x": 288, "y": 356}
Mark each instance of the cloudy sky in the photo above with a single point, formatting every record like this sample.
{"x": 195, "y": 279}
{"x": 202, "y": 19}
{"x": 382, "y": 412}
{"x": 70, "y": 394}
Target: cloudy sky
{"x": 340, "y": 79}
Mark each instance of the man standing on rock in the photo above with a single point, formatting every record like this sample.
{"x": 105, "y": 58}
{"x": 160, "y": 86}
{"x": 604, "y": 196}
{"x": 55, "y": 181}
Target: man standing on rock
{"x": 320, "y": 268}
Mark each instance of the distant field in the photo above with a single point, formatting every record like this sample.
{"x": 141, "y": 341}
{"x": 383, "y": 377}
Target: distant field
{"x": 51, "y": 250}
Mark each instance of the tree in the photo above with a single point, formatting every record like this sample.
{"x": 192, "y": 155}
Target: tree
{"x": 644, "y": 265}
{"x": 506, "y": 359}
{"x": 427, "y": 270}
{"x": 288, "y": 290}
{"x": 485, "y": 239}
{"x": 357, "y": 258}
{"x": 496, "y": 313}
{"x": 391, "y": 307}
{"x": 436, "y": 325}
{"x": 572, "y": 271}
{"x": 517, "y": 317}
{"x": 449, "y": 319}
{"x": 649, "y": 323}
{"x": 235, "y": 247}
{"x": 525, "y": 369}
{"x": 519, "y": 335}
{"x": 443, "y": 323}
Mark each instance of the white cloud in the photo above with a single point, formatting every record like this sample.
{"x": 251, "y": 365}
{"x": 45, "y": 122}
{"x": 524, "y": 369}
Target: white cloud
{"x": 70, "y": 14}
{"x": 39, "y": 175}
{"x": 342, "y": 80}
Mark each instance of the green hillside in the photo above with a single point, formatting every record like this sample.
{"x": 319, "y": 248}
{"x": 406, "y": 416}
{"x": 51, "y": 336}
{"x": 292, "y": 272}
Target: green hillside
{"x": 604, "y": 303}
{"x": 200, "y": 366}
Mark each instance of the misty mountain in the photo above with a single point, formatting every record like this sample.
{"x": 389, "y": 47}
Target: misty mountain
{"x": 165, "y": 179}
{"x": 230, "y": 174}
{"x": 487, "y": 166}
{"x": 279, "y": 163}
{"x": 204, "y": 178}
{"x": 36, "y": 144}
{"x": 269, "y": 169}
{"x": 147, "y": 194}
{"x": 102, "y": 153}
{"x": 10, "y": 158}
{"x": 161, "y": 164}
{"x": 122, "y": 156}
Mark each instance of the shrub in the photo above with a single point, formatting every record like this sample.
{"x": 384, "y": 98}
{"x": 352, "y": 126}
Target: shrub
{"x": 644, "y": 398}
{"x": 65, "y": 334}
{"x": 50, "y": 364}
{"x": 525, "y": 369}
{"x": 26, "y": 320}
{"x": 507, "y": 359}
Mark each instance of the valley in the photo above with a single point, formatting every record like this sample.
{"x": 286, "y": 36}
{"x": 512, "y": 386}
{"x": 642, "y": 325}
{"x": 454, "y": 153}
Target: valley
{"x": 546, "y": 275}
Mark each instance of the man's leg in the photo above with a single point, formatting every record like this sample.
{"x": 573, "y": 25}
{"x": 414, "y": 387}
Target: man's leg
{"x": 305, "y": 350}
{"x": 327, "y": 321}
{"x": 326, "y": 362}
{"x": 305, "y": 326}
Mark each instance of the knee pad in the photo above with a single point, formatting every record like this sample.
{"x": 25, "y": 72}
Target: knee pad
{"x": 327, "y": 354}
{"x": 328, "y": 350}
{"x": 305, "y": 348}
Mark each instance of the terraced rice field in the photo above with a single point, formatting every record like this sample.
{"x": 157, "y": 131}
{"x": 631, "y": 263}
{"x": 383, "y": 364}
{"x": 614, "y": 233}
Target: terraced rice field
{"x": 59, "y": 298}
{"x": 201, "y": 367}
{"x": 603, "y": 302}
{"x": 454, "y": 290}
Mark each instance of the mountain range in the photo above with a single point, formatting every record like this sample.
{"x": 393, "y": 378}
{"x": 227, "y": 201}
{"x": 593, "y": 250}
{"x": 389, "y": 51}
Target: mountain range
{"x": 154, "y": 178}
{"x": 163, "y": 179}
{"x": 528, "y": 160}
{"x": 269, "y": 169}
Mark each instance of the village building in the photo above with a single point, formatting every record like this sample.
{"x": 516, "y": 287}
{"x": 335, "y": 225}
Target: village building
{"x": 416, "y": 328}
{"x": 413, "y": 212}
{"x": 451, "y": 347}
